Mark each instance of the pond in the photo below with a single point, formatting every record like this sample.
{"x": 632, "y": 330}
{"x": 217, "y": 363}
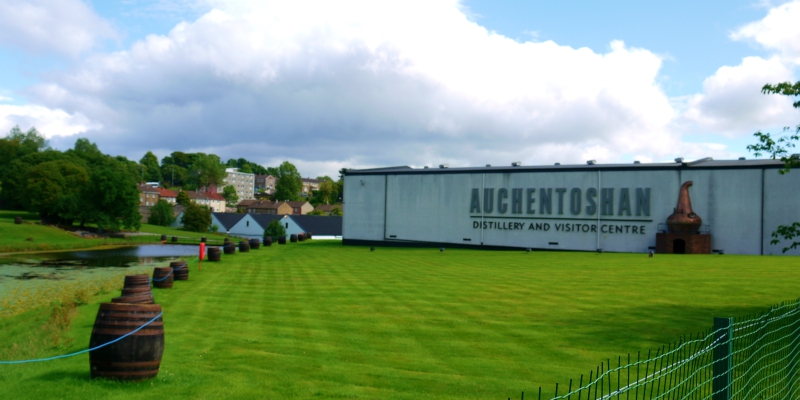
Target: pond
{"x": 33, "y": 279}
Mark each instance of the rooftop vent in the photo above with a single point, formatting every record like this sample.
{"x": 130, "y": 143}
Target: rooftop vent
{"x": 637, "y": 162}
{"x": 425, "y": 167}
{"x": 742, "y": 158}
{"x": 558, "y": 163}
{"x": 444, "y": 165}
{"x": 679, "y": 160}
{"x": 488, "y": 165}
{"x": 591, "y": 162}
{"x": 516, "y": 163}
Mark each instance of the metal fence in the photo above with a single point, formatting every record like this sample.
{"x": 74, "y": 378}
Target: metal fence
{"x": 753, "y": 357}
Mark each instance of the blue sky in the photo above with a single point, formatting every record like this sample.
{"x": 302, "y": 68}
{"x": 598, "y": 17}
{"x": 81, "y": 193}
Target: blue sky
{"x": 362, "y": 84}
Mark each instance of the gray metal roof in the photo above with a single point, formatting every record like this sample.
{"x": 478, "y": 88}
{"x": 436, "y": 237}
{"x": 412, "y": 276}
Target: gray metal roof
{"x": 228, "y": 220}
{"x": 704, "y": 163}
{"x": 319, "y": 225}
{"x": 265, "y": 219}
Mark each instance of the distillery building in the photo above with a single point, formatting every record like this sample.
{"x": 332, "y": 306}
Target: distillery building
{"x": 704, "y": 206}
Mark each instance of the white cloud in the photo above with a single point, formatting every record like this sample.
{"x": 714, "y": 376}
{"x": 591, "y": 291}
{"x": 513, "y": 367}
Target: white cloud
{"x": 48, "y": 122}
{"x": 368, "y": 83}
{"x": 732, "y": 104}
{"x": 64, "y": 26}
{"x": 778, "y": 31}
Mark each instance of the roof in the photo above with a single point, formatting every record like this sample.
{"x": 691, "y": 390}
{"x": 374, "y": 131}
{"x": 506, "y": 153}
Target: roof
{"x": 265, "y": 219}
{"x": 319, "y": 225}
{"x": 262, "y": 204}
{"x": 328, "y": 207}
{"x": 196, "y": 195}
{"x": 147, "y": 188}
{"x": 166, "y": 193}
{"x": 246, "y": 202}
{"x": 228, "y": 220}
{"x": 309, "y": 180}
{"x": 704, "y": 163}
{"x": 297, "y": 203}
{"x": 215, "y": 196}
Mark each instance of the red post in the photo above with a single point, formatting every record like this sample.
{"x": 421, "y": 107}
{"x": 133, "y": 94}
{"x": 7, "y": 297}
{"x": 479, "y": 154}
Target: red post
{"x": 202, "y": 255}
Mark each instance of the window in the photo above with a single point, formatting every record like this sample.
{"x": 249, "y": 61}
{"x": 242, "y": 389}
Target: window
{"x": 248, "y": 223}
{"x": 287, "y": 224}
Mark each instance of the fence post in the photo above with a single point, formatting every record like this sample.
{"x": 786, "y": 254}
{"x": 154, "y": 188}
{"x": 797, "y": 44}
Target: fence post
{"x": 723, "y": 334}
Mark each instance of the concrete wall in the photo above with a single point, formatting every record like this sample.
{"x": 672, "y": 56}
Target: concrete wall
{"x": 437, "y": 207}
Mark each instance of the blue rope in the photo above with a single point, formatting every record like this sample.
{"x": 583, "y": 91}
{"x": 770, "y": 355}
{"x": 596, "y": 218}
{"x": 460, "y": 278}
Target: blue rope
{"x": 165, "y": 277}
{"x": 84, "y": 351}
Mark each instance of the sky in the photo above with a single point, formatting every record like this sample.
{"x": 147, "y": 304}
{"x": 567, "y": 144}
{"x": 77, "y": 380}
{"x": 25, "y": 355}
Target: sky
{"x": 364, "y": 83}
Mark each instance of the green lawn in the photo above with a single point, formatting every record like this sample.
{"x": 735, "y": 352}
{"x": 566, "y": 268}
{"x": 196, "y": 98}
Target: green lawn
{"x": 30, "y": 236}
{"x": 319, "y": 320}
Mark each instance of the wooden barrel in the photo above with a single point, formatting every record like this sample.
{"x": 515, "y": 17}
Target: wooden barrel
{"x": 18, "y": 220}
{"x": 281, "y": 239}
{"x": 136, "y": 290}
{"x": 213, "y": 254}
{"x": 140, "y": 280}
{"x": 163, "y": 238}
{"x": 226, "y": 241}
{"x": 137, "y": 299}
{"x": 180, "y": 270}
{"x": 293, "y": 238}
{"x": 267, "y": 241}
{"x": 229, "y": 248}
{"x": 308, "y": 235}
{"x": 255, "y": 244}
{"x": 244, "y": 246}
{"x": 138, "y": 356}
{"x": 301, "y": 237}
{"x": 163, "y": 278}
{"x": 174, "y": 239}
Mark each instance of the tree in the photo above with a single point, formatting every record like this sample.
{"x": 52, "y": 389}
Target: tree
{"x": 183, "y": 198}
{"x": 87, "y": 151}
{"x": 779, "y": 149}
{"x": 53, "y": 189}
{"x": 196, "y": 218}
{"x": 207, "y": 169}
{"x": 326, "y": 191}
{"x": 13, "y": 147}
{"x": 336, "y": 211}
{"x": 275, "y": 230}
{"x": 152, "y": 171}
{"x": 111, "y": 199}
{"x": 229, "y": 193}
{"x": 289, "y": 184}
{"x": 317, "y": 212}
{"x": 161, "y": 213}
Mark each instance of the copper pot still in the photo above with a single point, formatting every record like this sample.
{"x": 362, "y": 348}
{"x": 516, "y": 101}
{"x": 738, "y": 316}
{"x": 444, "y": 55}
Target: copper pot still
{"x": 684, "y": 220}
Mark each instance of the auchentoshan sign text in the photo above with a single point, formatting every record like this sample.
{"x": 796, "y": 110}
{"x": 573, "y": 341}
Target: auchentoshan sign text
{"x": 621, "y": 210}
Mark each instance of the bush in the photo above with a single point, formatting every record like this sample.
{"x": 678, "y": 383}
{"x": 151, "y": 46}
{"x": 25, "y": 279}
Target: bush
{"x": 275, "y": 229}
{"x": 161, "y": 214}
{"x": 196, "y": 218}
{"x": 317, "y": 212}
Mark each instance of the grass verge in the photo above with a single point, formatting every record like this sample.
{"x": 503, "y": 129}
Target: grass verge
{"x": 31, "y": 236}
{"x": 318, "y": 320}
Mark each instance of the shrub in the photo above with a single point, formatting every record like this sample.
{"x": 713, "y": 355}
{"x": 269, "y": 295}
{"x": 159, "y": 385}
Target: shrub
{"x": 196, "y": 218}
{"x": 275, "y": 229}
{"x": 161, "y": 214}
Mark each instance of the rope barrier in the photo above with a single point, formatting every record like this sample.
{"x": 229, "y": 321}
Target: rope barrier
{"x": 87, "y": 350}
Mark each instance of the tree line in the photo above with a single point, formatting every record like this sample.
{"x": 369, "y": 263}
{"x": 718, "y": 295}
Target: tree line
{"x": 81, "y": 185}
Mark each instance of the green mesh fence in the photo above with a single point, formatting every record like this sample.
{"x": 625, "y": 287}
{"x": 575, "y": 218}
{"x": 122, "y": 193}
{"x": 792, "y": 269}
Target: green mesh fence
{"x": 754, "y": 357}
